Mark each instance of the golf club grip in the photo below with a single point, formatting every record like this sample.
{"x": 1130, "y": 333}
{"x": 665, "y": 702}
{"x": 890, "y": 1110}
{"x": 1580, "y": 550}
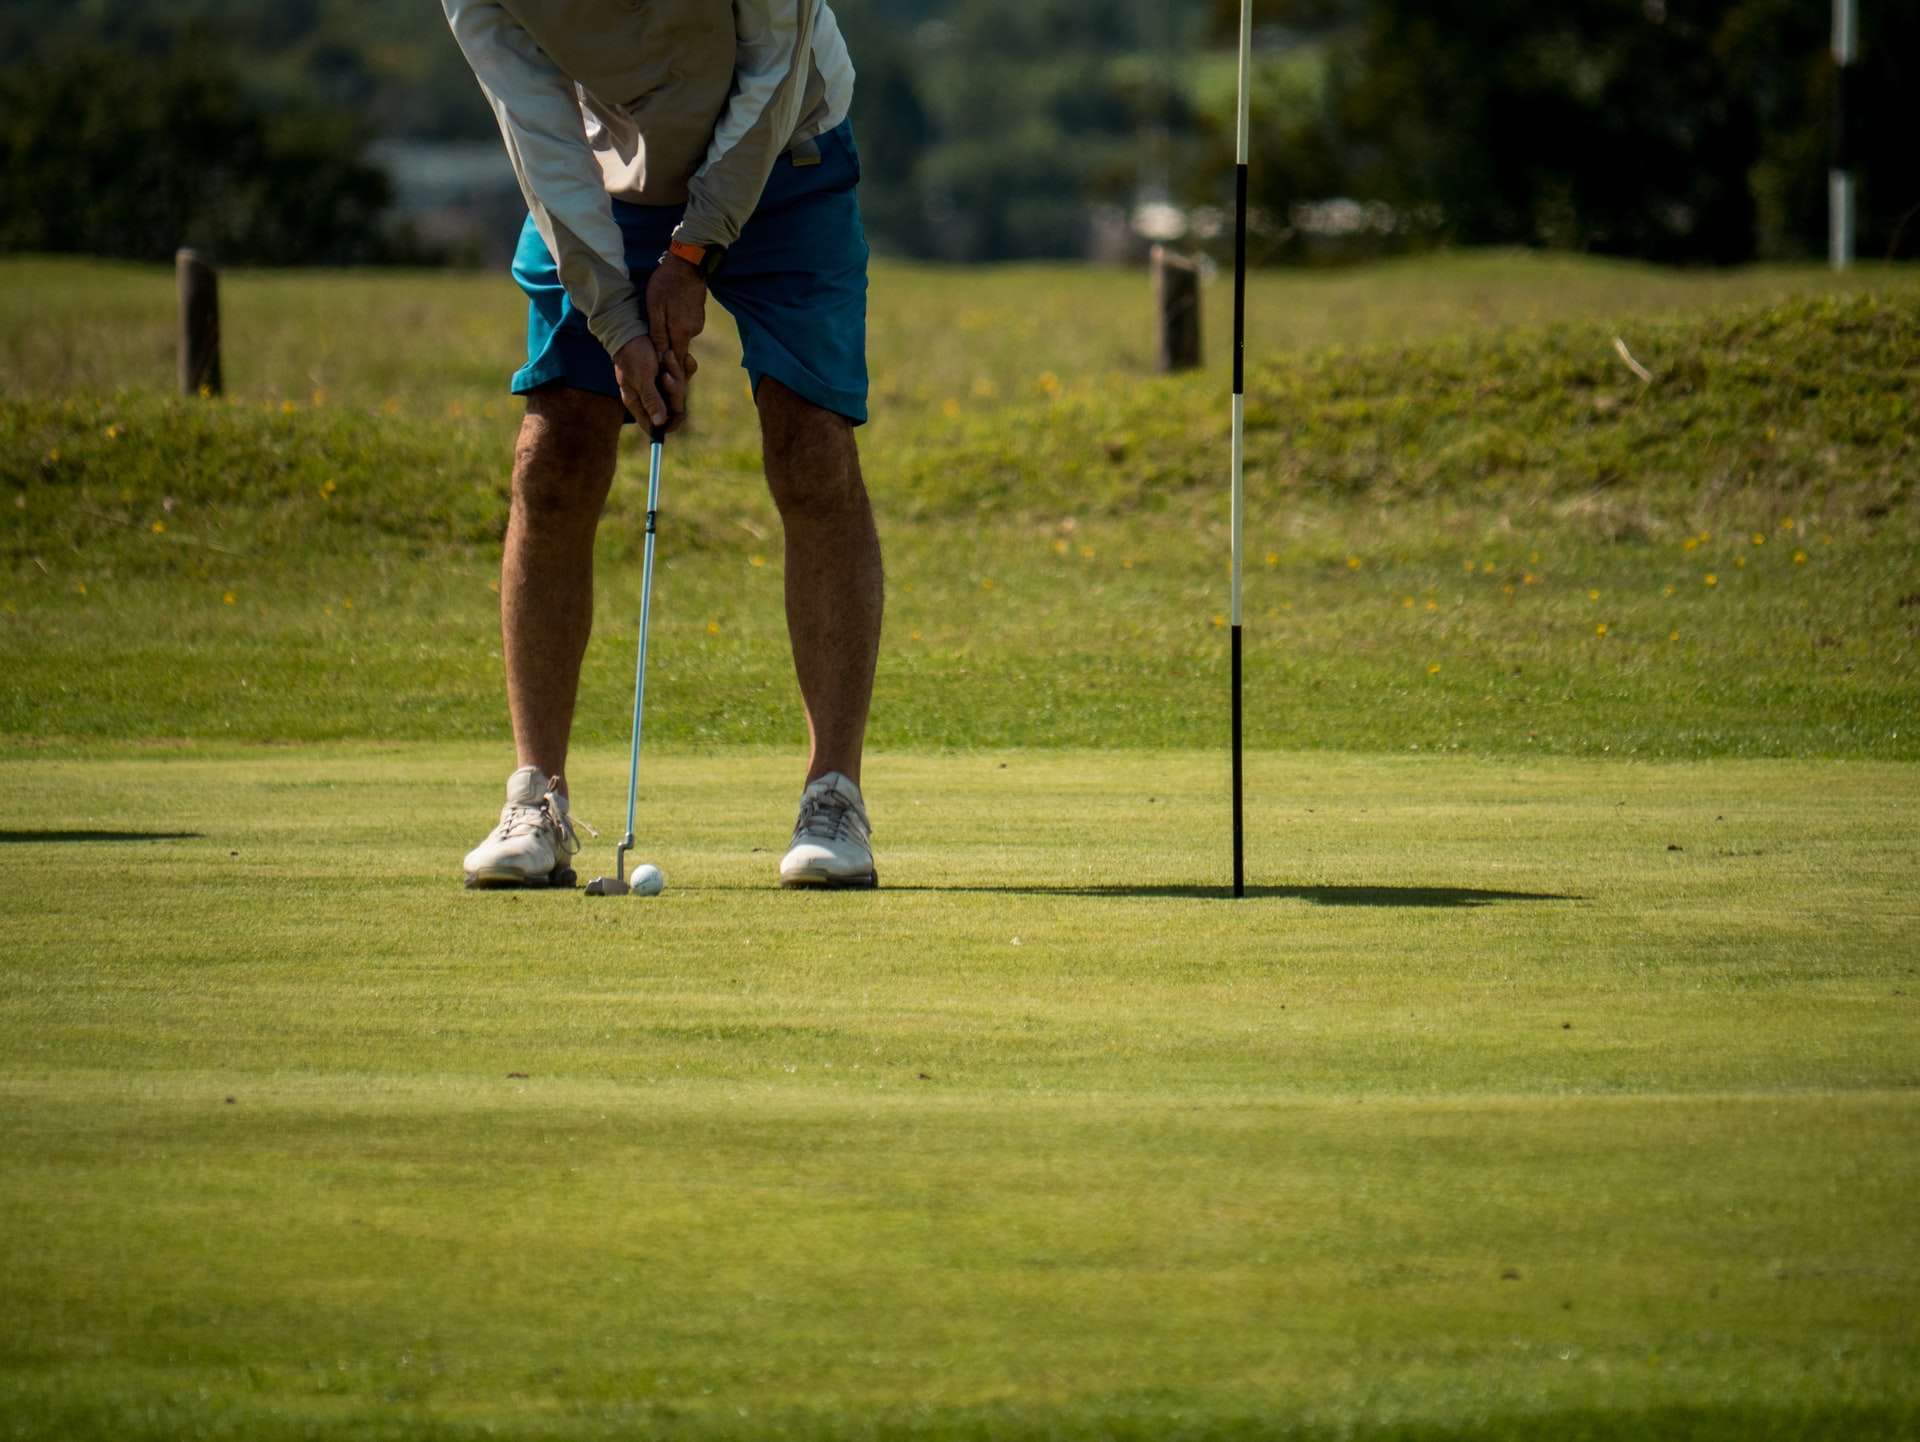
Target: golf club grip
{"x": 658, "y": 434}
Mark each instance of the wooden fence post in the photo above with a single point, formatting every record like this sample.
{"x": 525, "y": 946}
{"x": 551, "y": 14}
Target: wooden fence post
{"x": 199, "y": 323}
{"x": 1176, "y": 310}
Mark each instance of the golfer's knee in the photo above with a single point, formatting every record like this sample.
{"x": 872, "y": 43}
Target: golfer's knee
{"x": 564, "y": 458}
{"x": 819, "y": 490}
{"x": 813, "y": 464}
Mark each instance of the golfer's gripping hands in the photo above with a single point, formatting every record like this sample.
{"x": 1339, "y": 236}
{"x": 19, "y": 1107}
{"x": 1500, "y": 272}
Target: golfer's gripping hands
{"x": 718, "y": 92}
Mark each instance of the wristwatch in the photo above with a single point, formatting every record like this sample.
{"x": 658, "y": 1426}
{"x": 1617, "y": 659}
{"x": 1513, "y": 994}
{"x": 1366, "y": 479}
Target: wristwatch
{"x": 704, "y": 258}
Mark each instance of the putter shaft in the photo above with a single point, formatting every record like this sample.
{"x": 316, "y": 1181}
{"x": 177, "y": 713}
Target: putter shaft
{"x": 646, "y": 604}
{"x": 616, "y": 885}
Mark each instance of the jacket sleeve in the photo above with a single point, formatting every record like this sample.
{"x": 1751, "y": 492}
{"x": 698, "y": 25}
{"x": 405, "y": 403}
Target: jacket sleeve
{"x": 538, "y": 109}
{"x": 775, "y": 39}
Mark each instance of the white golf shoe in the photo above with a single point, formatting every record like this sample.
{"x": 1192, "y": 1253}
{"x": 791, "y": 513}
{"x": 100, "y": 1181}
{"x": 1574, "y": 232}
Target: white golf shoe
{"x": 832, "y": 842}
{"x": 534, "y": 843}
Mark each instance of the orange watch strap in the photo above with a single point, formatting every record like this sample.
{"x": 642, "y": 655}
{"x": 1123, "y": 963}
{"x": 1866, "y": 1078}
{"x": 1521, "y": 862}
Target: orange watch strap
{"x": 693, "y": 255}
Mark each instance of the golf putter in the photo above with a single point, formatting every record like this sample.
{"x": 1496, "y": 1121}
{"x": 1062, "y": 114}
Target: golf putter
{"x": 616, "y": 884}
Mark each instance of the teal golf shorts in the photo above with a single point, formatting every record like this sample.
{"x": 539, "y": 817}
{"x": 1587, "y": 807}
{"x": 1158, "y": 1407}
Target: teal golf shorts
{"x": 795, "y": 284}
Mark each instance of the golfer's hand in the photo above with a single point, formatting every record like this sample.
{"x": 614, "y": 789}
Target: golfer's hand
{"x": 676, "y": 313}
{"x": 642, "y": 383}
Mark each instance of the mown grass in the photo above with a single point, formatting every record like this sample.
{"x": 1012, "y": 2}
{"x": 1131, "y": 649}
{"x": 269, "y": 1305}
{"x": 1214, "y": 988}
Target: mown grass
{"x": 1535, "y": 1091}
{"x": 1438, "y": 531}
{"x": 1489, "y": 1113}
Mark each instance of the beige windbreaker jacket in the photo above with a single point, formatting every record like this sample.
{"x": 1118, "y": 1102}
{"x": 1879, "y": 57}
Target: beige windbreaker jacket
{"x": 651, "y": 101}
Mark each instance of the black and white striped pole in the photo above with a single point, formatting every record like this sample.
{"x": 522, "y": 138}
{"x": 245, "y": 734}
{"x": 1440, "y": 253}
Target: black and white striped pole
{"x": 1840, "y": 200}
{"x": 1239, "y": 415}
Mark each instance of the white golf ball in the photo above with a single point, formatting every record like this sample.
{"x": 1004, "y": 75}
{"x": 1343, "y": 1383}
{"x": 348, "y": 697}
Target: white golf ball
{"x": 648, "y": 881}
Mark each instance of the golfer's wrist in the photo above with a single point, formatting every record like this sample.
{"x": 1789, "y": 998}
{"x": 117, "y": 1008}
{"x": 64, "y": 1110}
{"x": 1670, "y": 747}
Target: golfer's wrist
{"x": 620, "y": 325}
{"x": 702, "y": 260}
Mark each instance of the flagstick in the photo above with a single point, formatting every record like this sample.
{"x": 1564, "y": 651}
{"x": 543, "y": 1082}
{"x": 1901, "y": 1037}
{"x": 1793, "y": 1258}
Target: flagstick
{"x": 1239, "y": 415}
{"x": 1840, "y": 192}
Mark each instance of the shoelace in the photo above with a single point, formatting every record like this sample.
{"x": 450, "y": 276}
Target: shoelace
{"x": 829, "y": 817}
{"x": 520, "y": 820}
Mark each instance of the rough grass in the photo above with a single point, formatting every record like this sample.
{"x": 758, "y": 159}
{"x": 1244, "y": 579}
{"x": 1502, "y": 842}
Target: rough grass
{"x": 1489, "y": 1114}
{"x": 1505, "y": 542}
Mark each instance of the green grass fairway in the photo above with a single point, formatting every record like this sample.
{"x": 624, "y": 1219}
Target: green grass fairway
{"x": 1541, "y": 1099}
{"x": 1559, "y": 1079}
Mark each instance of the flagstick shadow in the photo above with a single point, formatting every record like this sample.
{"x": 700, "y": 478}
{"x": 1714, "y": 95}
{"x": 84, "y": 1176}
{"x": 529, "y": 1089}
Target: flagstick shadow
{"x": 1388, "y": 896}
{"x": 54, "y": 838}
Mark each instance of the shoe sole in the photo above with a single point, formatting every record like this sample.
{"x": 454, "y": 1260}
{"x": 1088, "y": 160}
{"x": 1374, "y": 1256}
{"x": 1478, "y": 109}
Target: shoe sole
{"x": 563, "y": 879}
{"x": 814, "y": 880}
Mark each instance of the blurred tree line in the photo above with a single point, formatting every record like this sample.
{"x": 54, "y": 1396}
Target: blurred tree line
{"x": 1673, "y": 130}
{"x": 127, "y": 130}
{"x": 1694, "y": 131}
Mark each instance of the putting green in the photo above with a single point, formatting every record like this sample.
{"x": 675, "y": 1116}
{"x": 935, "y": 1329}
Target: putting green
{"x": 1544, "y": 1098}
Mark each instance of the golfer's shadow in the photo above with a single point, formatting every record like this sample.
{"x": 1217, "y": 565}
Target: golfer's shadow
{"x": 1403, "y": 896}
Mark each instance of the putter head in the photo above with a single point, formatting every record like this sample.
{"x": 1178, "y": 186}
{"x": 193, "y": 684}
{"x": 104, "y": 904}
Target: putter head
{"x": 616, "y": 884}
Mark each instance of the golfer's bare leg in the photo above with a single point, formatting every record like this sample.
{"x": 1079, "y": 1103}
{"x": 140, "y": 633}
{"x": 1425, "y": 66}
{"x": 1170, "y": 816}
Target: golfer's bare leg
{"x": 562, "y": 468}
{"x": 834, "y": 586}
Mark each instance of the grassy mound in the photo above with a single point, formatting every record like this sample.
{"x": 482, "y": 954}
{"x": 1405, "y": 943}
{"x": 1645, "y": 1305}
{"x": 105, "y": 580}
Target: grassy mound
{"x": 1805, "y": 405}
{"x": 1504, "y": 542}
{"x": 136, "y": 484}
